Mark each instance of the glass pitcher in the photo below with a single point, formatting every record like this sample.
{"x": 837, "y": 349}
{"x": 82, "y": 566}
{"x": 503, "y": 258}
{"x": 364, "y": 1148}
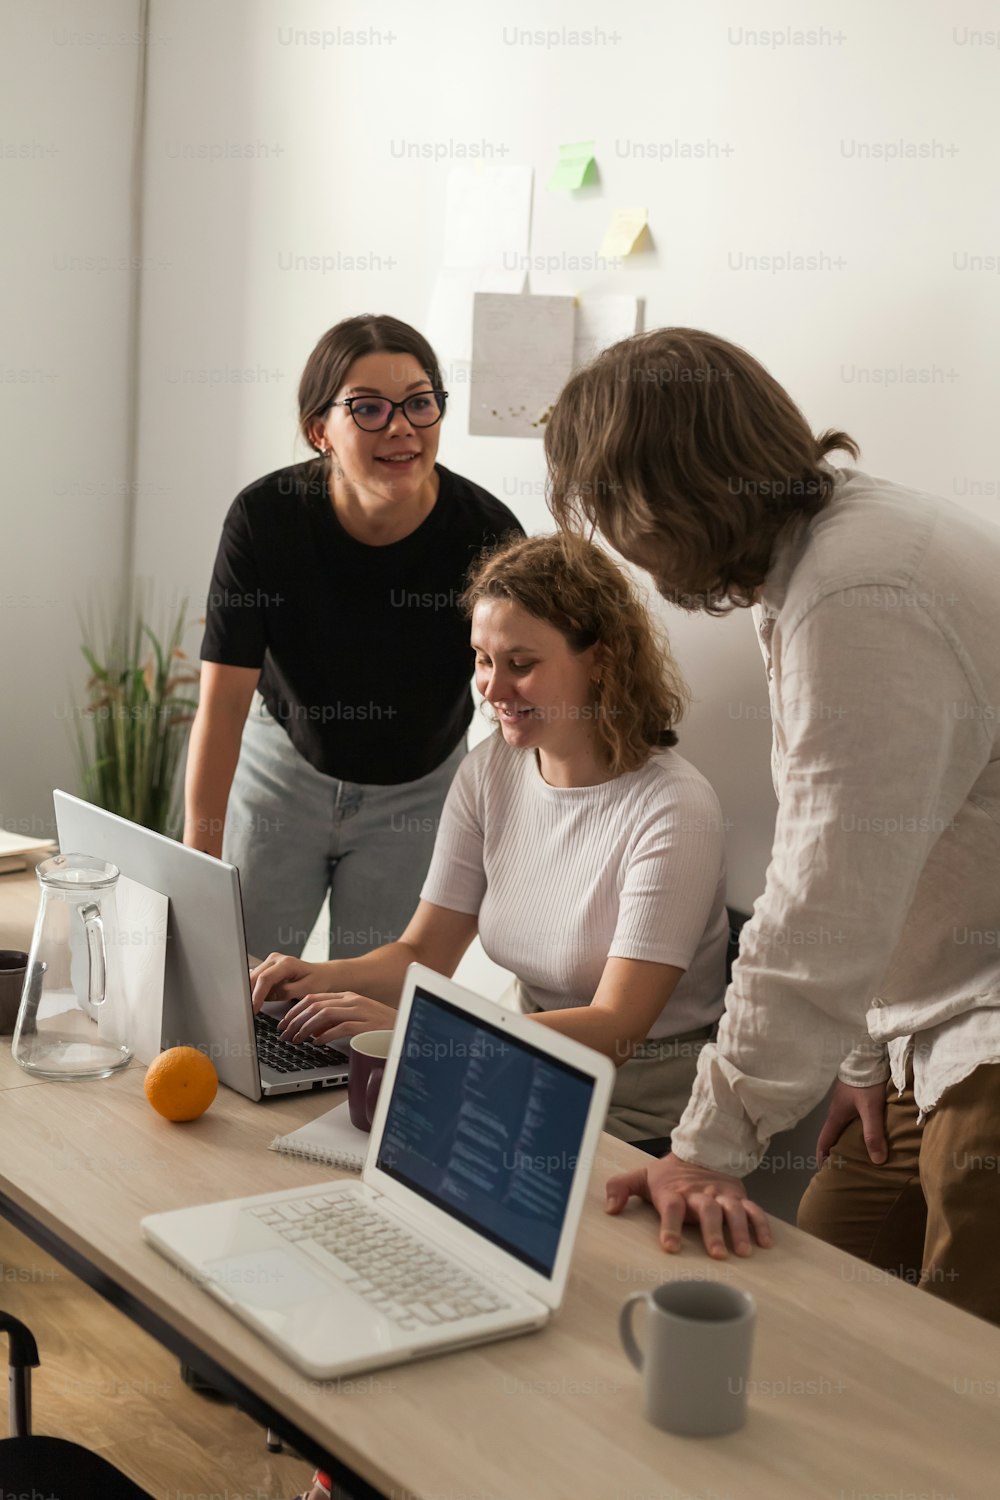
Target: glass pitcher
{"x": 73, "y": 1021}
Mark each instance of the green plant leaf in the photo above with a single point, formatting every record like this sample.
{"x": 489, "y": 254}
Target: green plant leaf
{"x": 130, "y": 736}
{"x": 99, "y": 672}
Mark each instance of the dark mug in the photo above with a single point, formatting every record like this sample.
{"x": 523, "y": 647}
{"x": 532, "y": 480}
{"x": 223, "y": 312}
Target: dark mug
{"x": 368, "y": 1052}
{"x": 13, "y": 965}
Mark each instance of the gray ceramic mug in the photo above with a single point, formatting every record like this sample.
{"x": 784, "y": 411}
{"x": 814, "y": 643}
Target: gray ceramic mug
{"x": 699, "y": 1335}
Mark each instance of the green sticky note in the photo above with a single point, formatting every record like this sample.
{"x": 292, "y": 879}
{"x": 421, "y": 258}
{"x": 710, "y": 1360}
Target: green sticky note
{"x": 574, "y": 169}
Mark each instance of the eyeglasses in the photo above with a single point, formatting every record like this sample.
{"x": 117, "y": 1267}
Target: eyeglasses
{"x": 374, "y": 413}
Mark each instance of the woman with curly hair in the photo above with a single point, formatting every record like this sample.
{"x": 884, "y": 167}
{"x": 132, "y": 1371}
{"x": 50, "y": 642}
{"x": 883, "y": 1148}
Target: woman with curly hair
{"x": 583, "y": 850}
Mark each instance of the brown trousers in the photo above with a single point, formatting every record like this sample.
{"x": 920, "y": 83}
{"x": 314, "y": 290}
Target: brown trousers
{"x": 931, "y": 1213}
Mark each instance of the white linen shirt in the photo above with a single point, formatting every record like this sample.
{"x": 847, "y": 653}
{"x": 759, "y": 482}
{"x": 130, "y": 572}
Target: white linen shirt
{"x": 877, "y": 937}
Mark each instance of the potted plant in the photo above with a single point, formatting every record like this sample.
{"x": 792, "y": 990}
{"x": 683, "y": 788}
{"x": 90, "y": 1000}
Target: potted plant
{"x": 131, "y": 733}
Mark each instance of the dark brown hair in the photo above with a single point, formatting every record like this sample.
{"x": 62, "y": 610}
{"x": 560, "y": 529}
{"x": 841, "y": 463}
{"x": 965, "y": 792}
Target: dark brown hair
{"x": 575, "y": 586}
{"x": 690, "y": 458}
{"x": 327, "y": 366}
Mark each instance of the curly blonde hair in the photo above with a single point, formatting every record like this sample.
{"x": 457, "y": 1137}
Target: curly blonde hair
{"x": 569, "y": 583}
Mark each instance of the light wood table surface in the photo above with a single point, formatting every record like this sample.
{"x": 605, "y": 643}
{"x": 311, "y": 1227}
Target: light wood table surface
{"x": 860, "y": 1386}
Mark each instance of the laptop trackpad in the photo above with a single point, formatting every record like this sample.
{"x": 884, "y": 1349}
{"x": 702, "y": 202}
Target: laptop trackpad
{"x": 266, "y": 1279}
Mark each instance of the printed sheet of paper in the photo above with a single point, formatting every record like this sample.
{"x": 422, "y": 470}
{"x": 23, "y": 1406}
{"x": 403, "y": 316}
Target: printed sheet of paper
{"x": 602, "y": 321}
{"x": 522, "y": 356}
{"x": 623, "y": 233}
{"x": 575, "y": 168}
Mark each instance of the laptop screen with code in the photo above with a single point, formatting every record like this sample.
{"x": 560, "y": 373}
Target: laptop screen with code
{"x": 486, "y": 1128}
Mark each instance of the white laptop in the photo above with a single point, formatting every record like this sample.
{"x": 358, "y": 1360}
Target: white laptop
{"x": 462, "y": 1226}
{"x": 206, "y": 983}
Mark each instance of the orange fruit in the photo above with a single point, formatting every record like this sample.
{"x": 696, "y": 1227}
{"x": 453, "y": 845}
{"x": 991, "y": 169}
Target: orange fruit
{"x": 181, "y": 1083}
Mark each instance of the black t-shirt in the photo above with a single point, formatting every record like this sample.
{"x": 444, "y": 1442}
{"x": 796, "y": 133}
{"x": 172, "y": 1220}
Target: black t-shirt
{"x": 364, "y": 650}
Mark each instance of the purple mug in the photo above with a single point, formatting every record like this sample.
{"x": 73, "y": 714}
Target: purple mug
{"x": 13, "y": 964}
{"x": 368, "y": 1052}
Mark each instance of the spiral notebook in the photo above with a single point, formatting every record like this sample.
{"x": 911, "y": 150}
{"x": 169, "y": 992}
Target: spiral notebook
{"x": 331, "y": 1139}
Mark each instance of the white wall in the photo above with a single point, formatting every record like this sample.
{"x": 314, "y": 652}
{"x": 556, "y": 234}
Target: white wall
{"x": 778, "y": 122}
{"x": 67, "y": 93}
{"x": 328, "y": 121}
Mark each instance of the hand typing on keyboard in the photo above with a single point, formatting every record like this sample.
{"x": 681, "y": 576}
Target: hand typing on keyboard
{"x": 323, "y": 1011}
{"x": 282, "y": 977}
{"x": 334, "y": 1018}
{"x": 291, "y": 1057}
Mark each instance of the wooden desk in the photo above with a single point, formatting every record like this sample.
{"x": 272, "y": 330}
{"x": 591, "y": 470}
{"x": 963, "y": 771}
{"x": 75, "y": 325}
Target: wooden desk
{"x": 860, "y": 1385}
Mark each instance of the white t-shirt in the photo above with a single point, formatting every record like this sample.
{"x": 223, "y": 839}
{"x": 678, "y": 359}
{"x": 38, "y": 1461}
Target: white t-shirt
{"x": 562, "y": 878}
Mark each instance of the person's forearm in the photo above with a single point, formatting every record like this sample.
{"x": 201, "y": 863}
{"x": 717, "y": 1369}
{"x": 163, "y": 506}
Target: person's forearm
{"x": 213, "y": 752}
{"x": 594, "y": 1027}
{"x": 378, "y": 974}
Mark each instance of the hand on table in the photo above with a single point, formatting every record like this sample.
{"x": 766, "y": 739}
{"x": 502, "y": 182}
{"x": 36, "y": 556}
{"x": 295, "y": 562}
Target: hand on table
{"x": 334, "y": 1018}
{"x": 682, "y": 1193}
{"x": 846, "y": 1102}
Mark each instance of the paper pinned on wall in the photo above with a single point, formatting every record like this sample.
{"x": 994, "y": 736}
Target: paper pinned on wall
{"x": 486, "y": 237}
{"x": 522, "y": 356}
{"x": 575, "y": 168}
{"x": 601, "y": 321}
{"x": 487, "y": 217}
{"x": 623, "y": 233}
{"x": 449, "y": 318}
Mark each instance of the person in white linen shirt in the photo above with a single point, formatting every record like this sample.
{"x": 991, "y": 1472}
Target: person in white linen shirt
{"x": 586, "y": 853}
{"x": 874, "y": 951}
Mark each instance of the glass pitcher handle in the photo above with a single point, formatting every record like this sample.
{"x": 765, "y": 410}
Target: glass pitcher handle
{"x": 97, "y": 969}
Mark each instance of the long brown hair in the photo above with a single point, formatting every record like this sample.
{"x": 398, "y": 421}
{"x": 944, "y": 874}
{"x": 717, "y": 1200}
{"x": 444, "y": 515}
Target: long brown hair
{"x": 690, "y": 459}
{"x": 327, "y": 366}
{"x": 570, "y": 583}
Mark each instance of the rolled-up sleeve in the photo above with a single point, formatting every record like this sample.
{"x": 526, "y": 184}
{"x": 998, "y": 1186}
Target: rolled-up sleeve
{"x": 873, "y": 766}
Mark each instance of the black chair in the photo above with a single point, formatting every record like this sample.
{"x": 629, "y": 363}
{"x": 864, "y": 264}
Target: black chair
{"x": 49, "y": 1466}
{"x": 659, "y": 1145}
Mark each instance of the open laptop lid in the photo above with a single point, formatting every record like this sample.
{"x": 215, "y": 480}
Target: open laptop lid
{"x": 206, "y": 983}
{"x": 492, "y": 1120}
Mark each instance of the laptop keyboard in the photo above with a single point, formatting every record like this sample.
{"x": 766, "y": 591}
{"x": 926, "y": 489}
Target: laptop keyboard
{"x": 291, "y": 1057}
{"x": 390, "y": 1268}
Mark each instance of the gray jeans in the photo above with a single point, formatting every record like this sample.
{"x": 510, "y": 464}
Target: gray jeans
{"x": 297, "y": 835}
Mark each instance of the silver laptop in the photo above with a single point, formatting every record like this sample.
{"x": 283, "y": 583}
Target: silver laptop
{"x": 206, "y": 989}
{"x": 462, "y": 1226}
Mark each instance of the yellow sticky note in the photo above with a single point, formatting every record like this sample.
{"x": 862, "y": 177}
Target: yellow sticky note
{"x": 627, "y": 224}
{"x": 574, "y": 169}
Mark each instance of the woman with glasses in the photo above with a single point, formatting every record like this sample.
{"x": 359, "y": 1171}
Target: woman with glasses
{"x": 335, "y": 688}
